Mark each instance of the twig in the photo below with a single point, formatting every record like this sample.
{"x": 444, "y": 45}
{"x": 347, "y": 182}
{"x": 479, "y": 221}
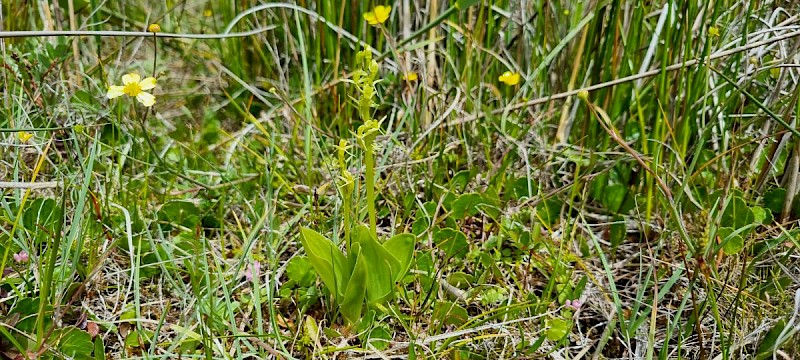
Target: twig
{"x": 46, "y": 33}
{"x": 29, "y": 185}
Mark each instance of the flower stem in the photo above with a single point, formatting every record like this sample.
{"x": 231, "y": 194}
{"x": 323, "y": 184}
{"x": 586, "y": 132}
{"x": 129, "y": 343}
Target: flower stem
{"x": 369, "y": 160}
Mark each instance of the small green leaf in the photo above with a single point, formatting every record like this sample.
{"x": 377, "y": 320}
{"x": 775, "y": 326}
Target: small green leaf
{"x": 732, "y": 241}
{"x": 557, "y": 329}
{"x": 493, "y": 296}
{"x": 760, "y": 214}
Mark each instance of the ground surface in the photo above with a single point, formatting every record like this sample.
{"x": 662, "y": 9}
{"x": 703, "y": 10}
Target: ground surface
{"x": 487, "y": 180}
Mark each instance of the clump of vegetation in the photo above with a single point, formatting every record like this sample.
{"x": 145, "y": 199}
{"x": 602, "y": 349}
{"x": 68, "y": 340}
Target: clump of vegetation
{"x": 464, "y": 180}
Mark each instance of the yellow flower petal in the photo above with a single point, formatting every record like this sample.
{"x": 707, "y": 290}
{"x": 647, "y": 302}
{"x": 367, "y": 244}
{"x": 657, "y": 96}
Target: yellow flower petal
{"x": 131, "y": 78}
{"x": 509, "y": 78}
{"x": 382, "y": 12}
{"x": 154, "y": 28}
{"x": 207, "y": 13}
{"x": 115, "y": 91}
{"x": 371, "y": 18}
{"x": 411, "y": 76}
{"x": 148, "y": 83}
{"x": 146, "y": 99}
{"x": 24, "y": 136}
{"x": 378, "y": 15}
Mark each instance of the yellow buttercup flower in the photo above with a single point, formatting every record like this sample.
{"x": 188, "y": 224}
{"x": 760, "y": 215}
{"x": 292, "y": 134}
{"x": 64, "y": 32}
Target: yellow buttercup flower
{"x": 411, "y": 76}
{"x": 378, "y": 15}
{"x": 509, "y": 78}
{"x": 24, "y": 136}
{"x": 134, "y": 86}
{"x": 154, "y": 28}
{"x": 713, "y": 31}
{"x": 207, "y": 13}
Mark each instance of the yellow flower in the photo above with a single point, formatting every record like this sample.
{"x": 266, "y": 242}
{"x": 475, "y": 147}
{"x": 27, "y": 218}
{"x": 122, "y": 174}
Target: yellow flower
{"x": 154, "y": 28}
{"x": 411, "y": 76}
{"x": 378, "y": 15}
{"x": 134, "y": 86}
{"x": 713, "y": 31}
{"x": 24, "y": 136}
{"x": 509, "y": 78}
{"x": 207, "y": 13}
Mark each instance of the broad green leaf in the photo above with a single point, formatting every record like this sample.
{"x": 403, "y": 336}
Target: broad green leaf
{"x": 401, "y": 246}
{"x": 180, "y": 212}
{"x": 27, "y": 308}
{"x": 463, "y": 4}
{"x": 452, "y": 242}
{"x": 460, "y": 180}
{"x": 185, "y": 333}
{"x": 75, "y": 343}
{"x": 549, "y": 210}
{"x": 381, "y": 264}
{"x": 420, "y": 225}
{"x": 99, "y": 349}
{"x": 769, "y": 343}
{"x": 774, "y": 199}
{"x": 617, "y": 232}
{"x": 466, "y": 205}
{"x": 300, "y": 271}
{"x": 449, "y": 313}
{"x": 598, "y": 185}
{"x": 737, "y": 214}
{"x": 379, "y": 338}
{"x": 491, "y": 204}
{"x": 461, "y": 279}
{"x": 136, "y": 339}
{"x": 42, "y": 213}
{"x": 353, "y": 298}
{"x": 523, "y": 188}
{"x": 732, "y": 240}
{"x": 613, "y": 196}
{"x": 761, "y": 215}
{"x": 327, "y": 260}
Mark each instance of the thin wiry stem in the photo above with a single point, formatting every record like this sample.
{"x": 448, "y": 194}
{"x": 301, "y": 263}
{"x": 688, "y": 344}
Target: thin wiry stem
{"x": 59, "y": 33}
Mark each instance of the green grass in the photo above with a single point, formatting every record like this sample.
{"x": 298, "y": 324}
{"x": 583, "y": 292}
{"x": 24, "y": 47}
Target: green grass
{"x": 646, "y": 164}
